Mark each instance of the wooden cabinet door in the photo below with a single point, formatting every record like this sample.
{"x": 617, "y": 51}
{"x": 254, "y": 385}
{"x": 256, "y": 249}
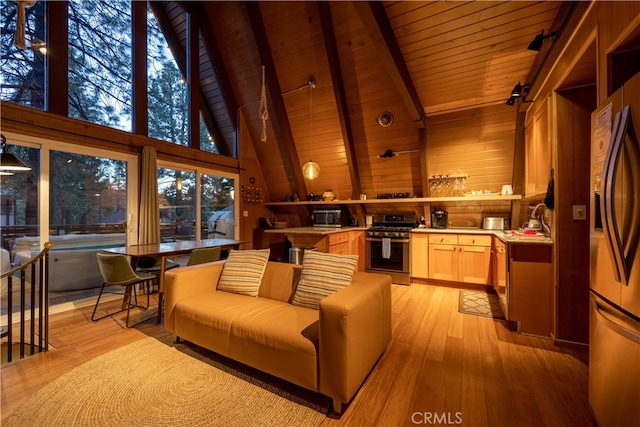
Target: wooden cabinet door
{"x": 443, "y": 262}
{"x": 419, "y": 255}
{"x": 537, "y": 152}
{"x": 474, "y": 264}
{"x": 499, "y": 266}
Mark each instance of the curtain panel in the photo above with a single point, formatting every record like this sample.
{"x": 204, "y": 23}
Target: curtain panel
{"x": 149, "y": 215}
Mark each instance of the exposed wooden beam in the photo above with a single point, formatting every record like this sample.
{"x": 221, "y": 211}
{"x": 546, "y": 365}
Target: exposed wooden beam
{"x": 57, "y": 58}
{"x": 340, "y": 95}
{"x": 285, "y": 139}
{"x": 139, "y": 55}
{"x": 222, "y": 76}
{"x": 193, "y": 80}
{"x": 381, "y": 33}
{"x": 224, "y": 147}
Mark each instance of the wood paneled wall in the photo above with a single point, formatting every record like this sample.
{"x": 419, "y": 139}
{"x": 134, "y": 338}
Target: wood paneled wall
{"x": 477, "y": 142}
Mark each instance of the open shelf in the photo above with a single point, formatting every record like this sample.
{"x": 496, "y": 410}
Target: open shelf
{"x": 470, "y": 198}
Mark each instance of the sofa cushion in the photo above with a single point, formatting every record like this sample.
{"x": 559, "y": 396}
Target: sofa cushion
{"x": 322, "y": 275}
{"x": 279, "y": 281}
{"x": 243, "y": 270}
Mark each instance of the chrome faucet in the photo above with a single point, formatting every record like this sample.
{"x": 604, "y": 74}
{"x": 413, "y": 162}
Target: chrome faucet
{"x": 539, "y": 219}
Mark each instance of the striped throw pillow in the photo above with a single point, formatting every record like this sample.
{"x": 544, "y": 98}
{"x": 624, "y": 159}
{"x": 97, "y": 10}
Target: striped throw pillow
{"x": 243, "y": 270}
{"x": 322, "y": 275}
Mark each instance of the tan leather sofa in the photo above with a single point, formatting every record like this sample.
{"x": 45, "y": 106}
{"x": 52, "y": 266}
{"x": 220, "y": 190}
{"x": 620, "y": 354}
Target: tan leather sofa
{"x": 331, "y": 350}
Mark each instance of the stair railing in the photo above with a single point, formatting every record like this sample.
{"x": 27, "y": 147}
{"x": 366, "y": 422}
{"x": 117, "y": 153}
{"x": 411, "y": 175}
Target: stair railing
{"x": 34, "y": 319}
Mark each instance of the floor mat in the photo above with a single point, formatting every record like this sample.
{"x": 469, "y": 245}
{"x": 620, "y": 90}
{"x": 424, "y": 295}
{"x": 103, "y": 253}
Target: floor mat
{"x": 480, "y": 303}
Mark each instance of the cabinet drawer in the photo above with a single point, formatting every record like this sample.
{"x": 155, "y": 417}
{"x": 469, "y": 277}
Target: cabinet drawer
{"x": 340, "y": 248}
{"x": 337, "y": 238}
{"x": 474, "y": 240}
{"x": 445, "y": 239}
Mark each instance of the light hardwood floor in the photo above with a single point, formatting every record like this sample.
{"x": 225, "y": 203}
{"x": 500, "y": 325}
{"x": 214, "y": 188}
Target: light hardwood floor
{"x": 442, "y": 367}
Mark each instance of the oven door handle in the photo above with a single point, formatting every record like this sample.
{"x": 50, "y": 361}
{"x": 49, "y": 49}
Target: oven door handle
{"x": 379, "y": 239}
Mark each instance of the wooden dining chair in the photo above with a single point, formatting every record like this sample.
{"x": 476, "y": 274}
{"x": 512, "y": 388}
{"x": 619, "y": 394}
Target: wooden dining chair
{"x": 202, "y": 255}
{"x": 116, "y": 271}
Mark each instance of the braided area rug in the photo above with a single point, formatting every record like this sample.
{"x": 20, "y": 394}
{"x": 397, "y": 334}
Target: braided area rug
{"x": 149, "y": 383}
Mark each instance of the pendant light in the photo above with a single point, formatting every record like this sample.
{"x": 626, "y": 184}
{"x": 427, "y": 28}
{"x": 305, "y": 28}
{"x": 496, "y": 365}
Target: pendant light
{"x": 9, "y": 163}
{"x": 310, "y": 170}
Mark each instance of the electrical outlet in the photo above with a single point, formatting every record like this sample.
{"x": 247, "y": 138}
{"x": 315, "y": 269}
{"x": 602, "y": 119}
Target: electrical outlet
{"x": 245, "y": 213}
{"x": 579, "y": 212}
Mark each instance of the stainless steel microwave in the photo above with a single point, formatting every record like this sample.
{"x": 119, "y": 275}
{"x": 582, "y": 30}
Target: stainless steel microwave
{"x": 330, "y": 218}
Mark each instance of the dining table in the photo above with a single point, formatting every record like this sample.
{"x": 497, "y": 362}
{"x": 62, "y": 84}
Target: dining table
{"x": 167, "y": 249}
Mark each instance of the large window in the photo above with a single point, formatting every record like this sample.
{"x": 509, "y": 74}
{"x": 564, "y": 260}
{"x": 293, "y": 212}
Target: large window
{"x": 100, "y": 68}
{"x": 23, "y": 69}
{"x": 184, "y": 215}
{"x": 168, "y": 113}
{"x": 100, "y": 62}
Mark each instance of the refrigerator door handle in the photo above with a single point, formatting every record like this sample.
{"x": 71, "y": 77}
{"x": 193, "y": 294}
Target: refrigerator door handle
{"x": 614, "y": 325}
{"x": 607, "y": 198}
{"x": 623, "y": 126}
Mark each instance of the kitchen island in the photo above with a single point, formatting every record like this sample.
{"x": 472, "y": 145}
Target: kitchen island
{"x": 336, "y": 240}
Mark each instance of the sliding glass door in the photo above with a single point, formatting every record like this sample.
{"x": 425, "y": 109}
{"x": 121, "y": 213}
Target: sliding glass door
{"x": 82, "y": 199}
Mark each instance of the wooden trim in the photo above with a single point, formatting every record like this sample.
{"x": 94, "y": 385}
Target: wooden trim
{"x": 37, "y": 123}
{"x": 340, "y": 96}
{"x": 285, "y": 139}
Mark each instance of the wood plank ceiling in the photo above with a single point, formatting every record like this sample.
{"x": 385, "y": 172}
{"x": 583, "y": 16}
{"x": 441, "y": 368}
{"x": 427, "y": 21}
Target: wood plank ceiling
{"x": 414, "y": 59}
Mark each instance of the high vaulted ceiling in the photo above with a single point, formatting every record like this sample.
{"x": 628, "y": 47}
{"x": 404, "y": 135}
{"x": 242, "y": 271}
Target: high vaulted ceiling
{"x": 414, "y": 59}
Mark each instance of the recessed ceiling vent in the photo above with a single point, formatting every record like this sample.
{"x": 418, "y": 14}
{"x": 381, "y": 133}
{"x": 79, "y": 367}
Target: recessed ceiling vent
{"x": 385, "y": 119}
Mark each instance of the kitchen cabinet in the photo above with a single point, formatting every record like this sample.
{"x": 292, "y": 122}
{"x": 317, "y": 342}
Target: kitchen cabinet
{"x": 345, "y": 242}
{"x": 537, "y": 152}
{"x": 419, "y": 250}
{"x": 348, "y": 243}
{"x": 530, "y": 288}
{"x": 461, "y": 258}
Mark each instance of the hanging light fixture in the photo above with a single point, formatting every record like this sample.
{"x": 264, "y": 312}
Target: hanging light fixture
{"x": 310, "y": 170}
{"x": 8, "y": 161}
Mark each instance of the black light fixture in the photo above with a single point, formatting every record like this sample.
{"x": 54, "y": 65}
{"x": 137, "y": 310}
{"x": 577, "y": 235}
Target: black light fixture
{"x": 390, "y": 153}
{"x": 518, "y": 91}
{"x": 536, "y": 44}
{"x": 9, "y": 162}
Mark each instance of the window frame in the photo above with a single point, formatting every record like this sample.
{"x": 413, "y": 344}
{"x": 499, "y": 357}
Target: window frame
{"x": 198, "y": 195}
{"x": 46, "y": 146}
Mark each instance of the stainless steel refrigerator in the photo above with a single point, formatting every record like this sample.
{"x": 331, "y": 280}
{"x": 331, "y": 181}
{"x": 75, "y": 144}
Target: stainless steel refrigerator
{"x": 614, "y": 329}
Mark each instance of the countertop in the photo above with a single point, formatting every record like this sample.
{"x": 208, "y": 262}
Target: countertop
{"x": 507, "y": 236}
{"x": 313, "y": 230}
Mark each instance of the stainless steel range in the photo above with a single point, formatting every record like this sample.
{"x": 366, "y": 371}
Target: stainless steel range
{"x": 387, "y": 246}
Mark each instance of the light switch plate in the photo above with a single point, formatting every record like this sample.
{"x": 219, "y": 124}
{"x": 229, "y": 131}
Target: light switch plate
{"x": 579, "y": 212}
